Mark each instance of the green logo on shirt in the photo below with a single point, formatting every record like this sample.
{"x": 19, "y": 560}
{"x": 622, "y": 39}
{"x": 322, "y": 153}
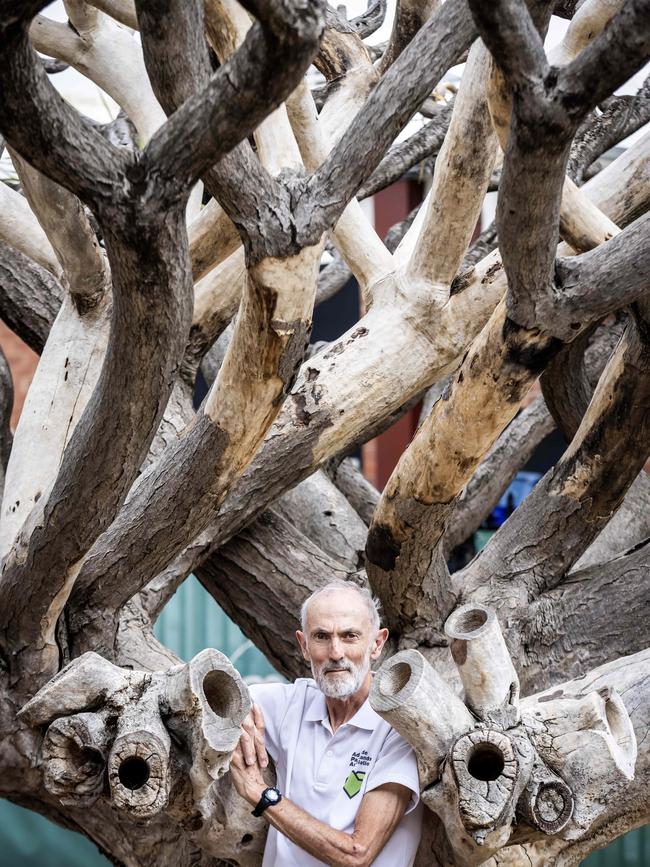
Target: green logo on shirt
{"x": 352, "y": 785}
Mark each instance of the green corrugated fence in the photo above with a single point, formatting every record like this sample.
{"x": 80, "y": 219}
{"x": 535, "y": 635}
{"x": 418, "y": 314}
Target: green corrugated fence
{"x": 190, "y": 622}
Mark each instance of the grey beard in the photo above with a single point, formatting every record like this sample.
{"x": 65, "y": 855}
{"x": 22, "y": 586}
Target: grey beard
{"x": 344, "y": 685}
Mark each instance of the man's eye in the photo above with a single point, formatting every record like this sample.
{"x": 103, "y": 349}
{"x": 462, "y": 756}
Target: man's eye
{"x": 351, "y": 636}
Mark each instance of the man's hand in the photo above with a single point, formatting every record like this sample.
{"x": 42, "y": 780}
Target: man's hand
{"x": 249, "y": 759}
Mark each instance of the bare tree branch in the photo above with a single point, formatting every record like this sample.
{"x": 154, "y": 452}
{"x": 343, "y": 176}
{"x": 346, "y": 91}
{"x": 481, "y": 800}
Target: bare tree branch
{"x": 410, "y": 15}
{"x": 68, "y": 229}
{"x": 347, "y": 65}
{"x": 341, "y": 49}
{"x": 20, "y": 228}
{"x": 566, "y": 8}
{"x": 69, "y": 370}
{"x": 6, "y": 406}
{"x": 486, "y": 242}
{"x": 416, "y": 503}
{"x": 204, "y": 127}
{"x": 538, "y": 103}
{"x": 620, "y": 117}
{"x": 178, "y": 65}
{"x": 519, "y": 440}
{"x": 353, "y": 234}
{"x": 216, "y": 300}
{"x": 627, "y": 528}
{"x": 107, "y": 54}
{"x": 332, "y": 278}
{"x": 52, "y": 66}
{"x": 370, "y": 20}
{"x": 577, "y": 497}
{"x": 607, "y": 62}
{"x": 103, "y": 455}
{"x": 227, "y": 25}
{"x": 508, "y": 30}
{"x": 600, "y": 611}
{"x": 30, "y": 297}
{"x": 44, "y": 129}
{"x": 507, "y": 456}
{"x": 434, "y": 246}
{"x": 212, "y": 237}
{"x": 239, "y": 409}
{"x": 437, "y": 45}
{"x": 426, "y": 142}
{"x": 617, "y": 271}
{"x": 359, "y": 492}
{"x": 581, "y": 224}
{"x": 588, "y": 21}
{"x": 565, "y": 386}
{"x": 121, "y": 10}
{"x": 322, "y": 513}
{"x": 624, "y": 202}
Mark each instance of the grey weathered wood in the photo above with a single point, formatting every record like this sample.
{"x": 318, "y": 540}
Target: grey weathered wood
{"x": 148, "y": 489}
{"x": 603, "y": 606}
{"x": 30, "y": 297}
{"x": 507, "y": 456}
{"x": 621, "y": 116}
{"x": 573, "y": 497}
{"x": 487, "y": 779}
{"x": 426, "y": 142}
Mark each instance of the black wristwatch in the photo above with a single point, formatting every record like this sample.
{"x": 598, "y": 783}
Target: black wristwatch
{"x": 270, "y": 797}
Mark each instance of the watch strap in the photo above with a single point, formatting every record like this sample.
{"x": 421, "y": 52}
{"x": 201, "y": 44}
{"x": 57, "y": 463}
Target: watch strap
{"x": 266, "y": 801}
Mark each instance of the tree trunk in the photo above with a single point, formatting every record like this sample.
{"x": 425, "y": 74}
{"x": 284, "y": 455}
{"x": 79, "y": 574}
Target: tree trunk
{"x": 521, "y": 681}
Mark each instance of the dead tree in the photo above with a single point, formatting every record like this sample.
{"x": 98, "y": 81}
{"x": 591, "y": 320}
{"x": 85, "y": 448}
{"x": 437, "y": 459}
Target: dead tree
{"x": 522, "y": 681}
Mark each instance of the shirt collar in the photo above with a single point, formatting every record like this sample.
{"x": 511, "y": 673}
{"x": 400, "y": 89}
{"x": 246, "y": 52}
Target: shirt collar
{"x": 364, "y": 718}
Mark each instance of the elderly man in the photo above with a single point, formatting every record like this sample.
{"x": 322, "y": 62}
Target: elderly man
{"x": 347, "y": 784}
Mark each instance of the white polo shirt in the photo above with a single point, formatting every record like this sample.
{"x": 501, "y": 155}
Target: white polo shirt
{"x": 327, "y": 774}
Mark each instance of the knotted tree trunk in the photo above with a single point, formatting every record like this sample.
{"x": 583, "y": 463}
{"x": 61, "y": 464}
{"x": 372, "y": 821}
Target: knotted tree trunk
{"x": 522, "y": 680}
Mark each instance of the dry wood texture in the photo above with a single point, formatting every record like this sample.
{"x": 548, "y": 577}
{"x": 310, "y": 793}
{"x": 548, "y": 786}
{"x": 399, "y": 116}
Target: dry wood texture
{"x": 115, "y": 488}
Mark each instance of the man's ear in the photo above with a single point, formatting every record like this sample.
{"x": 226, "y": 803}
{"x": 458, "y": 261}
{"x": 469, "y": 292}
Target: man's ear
{"x": 380, "y": 640}
{"x": 302, "y": 641}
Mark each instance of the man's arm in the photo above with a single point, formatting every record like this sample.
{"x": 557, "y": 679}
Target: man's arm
{"x": 378, "y": 816}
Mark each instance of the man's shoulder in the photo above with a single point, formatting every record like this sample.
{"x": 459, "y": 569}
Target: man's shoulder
{"x": 274, "y": 697}
{"x": 282, "y": 687}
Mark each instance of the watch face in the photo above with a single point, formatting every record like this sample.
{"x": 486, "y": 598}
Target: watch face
{"x": 272, "y": 795}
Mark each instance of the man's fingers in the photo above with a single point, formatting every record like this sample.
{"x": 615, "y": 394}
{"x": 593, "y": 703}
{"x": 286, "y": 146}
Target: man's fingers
{"x": 253, "y": 744}
{"x": 260, "y": 749}
{"x": 237, "y": 757}
{"x": 260, "y": 742}
{"x": 258, "y": 718}
{"x": 247, "y": 743}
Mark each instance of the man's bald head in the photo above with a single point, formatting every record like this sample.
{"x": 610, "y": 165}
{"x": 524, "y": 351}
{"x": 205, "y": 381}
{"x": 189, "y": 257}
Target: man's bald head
{"x": 362, "y": 594}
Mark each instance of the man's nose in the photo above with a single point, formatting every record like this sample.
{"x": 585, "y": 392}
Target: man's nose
{"x": 336, "y": 650}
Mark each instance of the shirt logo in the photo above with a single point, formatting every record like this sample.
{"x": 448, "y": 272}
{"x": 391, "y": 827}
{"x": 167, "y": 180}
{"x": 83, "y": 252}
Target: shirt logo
{"x": 361, "y": 758}
{"x": 352, "y": 785}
